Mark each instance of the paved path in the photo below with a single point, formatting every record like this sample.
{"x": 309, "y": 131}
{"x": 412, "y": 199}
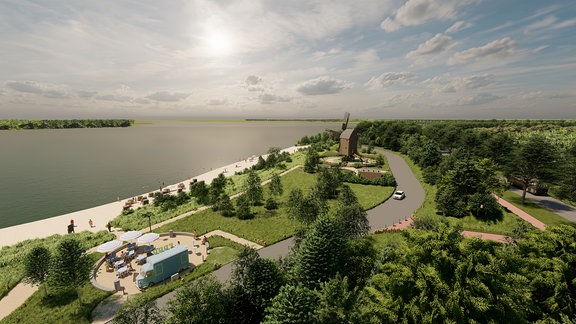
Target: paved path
{"x": 395, "y": 211}
{"x": 520, "y": 213}
{"x": 552, "y": 204}
{"x": 16, "y": 297}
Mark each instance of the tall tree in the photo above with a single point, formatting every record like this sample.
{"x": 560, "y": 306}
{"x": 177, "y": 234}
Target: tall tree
{"x": 132, "y": 311}
{"x": 311, "y": 161}
{"x": 276, "y": 188}
{"x": 70, "y": 266}
{"x": 37, "y": 266}
{"x": 337, "y": 302}
{"x": 351, "y": 214}
{"x": 255, "y": 281}
{"x": 203, "y": 301}
{"x": 321, "y": 254}
{"x": 254, "y": 191}
{"x": 535, "y": 162}
{"x": 293, "y": 304}
{"x": 243, "y": 210}
{"x": 327, "y": 182}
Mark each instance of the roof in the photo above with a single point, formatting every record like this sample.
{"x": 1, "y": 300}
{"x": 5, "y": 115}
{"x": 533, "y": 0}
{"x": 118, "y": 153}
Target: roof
{"x": 346, "y": 134}
{"x": 166, "y": 254}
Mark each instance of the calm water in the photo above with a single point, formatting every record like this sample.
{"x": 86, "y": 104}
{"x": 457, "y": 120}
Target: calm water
{"x": 46, "y": 173}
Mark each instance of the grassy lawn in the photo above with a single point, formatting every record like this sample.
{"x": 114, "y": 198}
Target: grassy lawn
{"x": 61, "y": 307}
{"x": 542, "y": 214}
{"x": 271, "y": 226}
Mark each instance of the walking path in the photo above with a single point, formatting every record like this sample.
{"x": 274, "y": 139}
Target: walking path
{"x": 520, "y": 213}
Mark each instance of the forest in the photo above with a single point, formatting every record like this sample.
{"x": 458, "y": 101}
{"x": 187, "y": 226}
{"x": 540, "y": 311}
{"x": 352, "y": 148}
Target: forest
{"x": 339, "y": 273}
{"x": 15, "y": 124}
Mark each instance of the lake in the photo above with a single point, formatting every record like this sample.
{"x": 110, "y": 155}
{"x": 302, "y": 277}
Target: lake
{"x": 47, "y": 173}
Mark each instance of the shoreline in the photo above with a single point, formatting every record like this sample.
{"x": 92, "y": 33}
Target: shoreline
{"x": 102, "y": 214}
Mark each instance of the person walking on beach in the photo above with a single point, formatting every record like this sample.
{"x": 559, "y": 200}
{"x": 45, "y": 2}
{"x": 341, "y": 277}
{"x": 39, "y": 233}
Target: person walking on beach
{"x": 91, "y": 223}
{"x": 109, "y": 226}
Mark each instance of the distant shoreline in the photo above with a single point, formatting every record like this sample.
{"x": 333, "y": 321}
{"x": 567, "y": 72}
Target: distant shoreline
{"x": 102, "y": 214}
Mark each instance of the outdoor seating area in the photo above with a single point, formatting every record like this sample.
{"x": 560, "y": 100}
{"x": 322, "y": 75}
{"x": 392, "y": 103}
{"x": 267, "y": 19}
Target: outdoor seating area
{"x": 124, "y": 264}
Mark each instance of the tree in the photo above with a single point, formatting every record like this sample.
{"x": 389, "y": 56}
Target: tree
{"x": 275, "y": 186}
{"x": 133, "y": 312}
{"x": 311, "y": 161}
{"x": 255, "y": 281}
{"x": 327, "y": 182}
{"x": 351, "y": 214}
{"x": 224, "y": 206}
{"x": 203, "y": 301}
{"x": 321, "y": 254}
{"x": 535, "y": 161}
{"x": 70, "y": 266}
{"x": 293, "y": 304}
{"x": 337, "y": 302}
{"x": 254, "y": 191}
{"x": 36, "y": 266}
{"x": 243, "y": 210}
{"x": 200, "y": 191}
{"x": 217, "y": 187}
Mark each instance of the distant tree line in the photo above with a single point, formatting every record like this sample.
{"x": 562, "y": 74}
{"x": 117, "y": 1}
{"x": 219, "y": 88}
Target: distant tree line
{"x": 14, "y": 124}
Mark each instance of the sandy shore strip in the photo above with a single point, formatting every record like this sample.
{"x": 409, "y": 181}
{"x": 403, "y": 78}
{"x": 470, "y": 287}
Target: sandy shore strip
{"x": 101, "y": 215}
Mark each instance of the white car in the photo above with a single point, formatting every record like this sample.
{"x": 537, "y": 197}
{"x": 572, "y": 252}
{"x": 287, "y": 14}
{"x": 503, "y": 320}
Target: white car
{"x": 399, "y": 195}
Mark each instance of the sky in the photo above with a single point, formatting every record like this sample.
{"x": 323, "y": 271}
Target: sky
{"x": 381, "y": 59}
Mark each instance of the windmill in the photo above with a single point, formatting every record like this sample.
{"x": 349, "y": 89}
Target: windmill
{"x": 345, "y": 123}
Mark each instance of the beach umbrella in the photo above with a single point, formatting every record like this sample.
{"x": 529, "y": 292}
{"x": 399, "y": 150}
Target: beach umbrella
{"x": 109, "y": 246}
{"x": 148, "y": 238}
{"x": 130, "y": 235}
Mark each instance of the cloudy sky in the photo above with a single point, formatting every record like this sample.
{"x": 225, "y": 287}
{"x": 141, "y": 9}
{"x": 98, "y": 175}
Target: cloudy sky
{"x": 298, "y": 58}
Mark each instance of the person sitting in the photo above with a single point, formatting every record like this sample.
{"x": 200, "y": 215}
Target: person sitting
{"x": 203, "y": 239}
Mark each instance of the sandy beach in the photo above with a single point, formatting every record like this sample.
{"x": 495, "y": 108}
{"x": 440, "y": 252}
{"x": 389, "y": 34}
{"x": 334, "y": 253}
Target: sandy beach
{"x": 101, "y": 215}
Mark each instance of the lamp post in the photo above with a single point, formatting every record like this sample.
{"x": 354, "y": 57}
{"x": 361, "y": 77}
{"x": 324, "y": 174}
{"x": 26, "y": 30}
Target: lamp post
{"x": 149, "y": 215}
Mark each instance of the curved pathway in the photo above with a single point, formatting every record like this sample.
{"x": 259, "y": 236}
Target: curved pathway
{"x": 395, "y": 211}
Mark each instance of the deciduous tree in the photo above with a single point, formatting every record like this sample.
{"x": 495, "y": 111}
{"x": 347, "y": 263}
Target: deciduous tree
{"x": 37, "y": 266}
{"x": 70, "y": 266}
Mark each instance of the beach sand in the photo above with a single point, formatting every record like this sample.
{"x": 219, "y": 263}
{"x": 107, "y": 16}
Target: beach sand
{"x": 101, "y": 215}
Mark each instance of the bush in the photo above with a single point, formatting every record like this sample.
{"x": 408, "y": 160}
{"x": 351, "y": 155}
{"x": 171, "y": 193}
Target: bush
{"x": 271, "y": 204}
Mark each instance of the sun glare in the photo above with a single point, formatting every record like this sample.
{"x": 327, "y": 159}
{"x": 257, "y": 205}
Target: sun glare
{"x": 219, "y": 44}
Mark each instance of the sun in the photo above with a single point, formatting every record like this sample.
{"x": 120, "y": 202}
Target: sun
{"x": 219, "y": 44}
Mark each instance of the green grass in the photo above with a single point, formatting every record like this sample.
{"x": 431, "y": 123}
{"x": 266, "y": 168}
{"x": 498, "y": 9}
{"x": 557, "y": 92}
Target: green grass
{"x": 136, "y": 220}
{"x": 504, "y": 226}
{"x": 542, "y": 214}
{"x": 12, "y": 257}
{"x": 59, "y": 307}
{"x": 271, "y": 226}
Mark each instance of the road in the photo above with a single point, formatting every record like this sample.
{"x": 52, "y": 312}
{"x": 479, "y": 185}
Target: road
{"x": 552, "y": 204}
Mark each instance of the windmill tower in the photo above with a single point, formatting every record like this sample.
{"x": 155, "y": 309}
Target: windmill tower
{"x": 348, "y": 139}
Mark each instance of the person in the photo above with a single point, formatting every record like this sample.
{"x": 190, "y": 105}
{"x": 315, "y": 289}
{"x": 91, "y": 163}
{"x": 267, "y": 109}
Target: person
{"x": 109, "y": 226}
{"x": 195, "y": 235}
{"x": 91, "y": 223}
{"x": 203, "y": 239}
{"x": 70, "y": 228}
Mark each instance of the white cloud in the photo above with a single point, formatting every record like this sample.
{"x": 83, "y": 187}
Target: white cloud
{"x": 438, "y": 43}
{"x": 417, "y": 12}
{"x": 458, "y": 26}
{"x": 86, "y": 94}
{"x": 388, "y": 79}
{"x": 501, "y": 48}
{"x": 449, "y": 84}
{"x": 25, "y": 86}
{"x": 254, "y": 83}
{"x": 268, "y": 98}
{"x": 540, "y": 48}
{"x": 217, "y": 102}
{"x": 168, "y": 96}
{"x": 322, "y": 85}
{"x": 478, "y": 99}
{"x": 112, "y": 97}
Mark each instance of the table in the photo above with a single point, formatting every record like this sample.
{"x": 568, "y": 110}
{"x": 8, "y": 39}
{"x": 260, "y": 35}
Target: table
{"x": 130, "y": 254}
{"x": 118, "y": 263}
{"x": 141, "y": 258}
{"x": 122, "y": 272}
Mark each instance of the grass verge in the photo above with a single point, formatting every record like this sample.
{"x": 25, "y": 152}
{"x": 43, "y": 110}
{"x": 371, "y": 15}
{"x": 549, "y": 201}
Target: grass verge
{"x": 542, "y": 214}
